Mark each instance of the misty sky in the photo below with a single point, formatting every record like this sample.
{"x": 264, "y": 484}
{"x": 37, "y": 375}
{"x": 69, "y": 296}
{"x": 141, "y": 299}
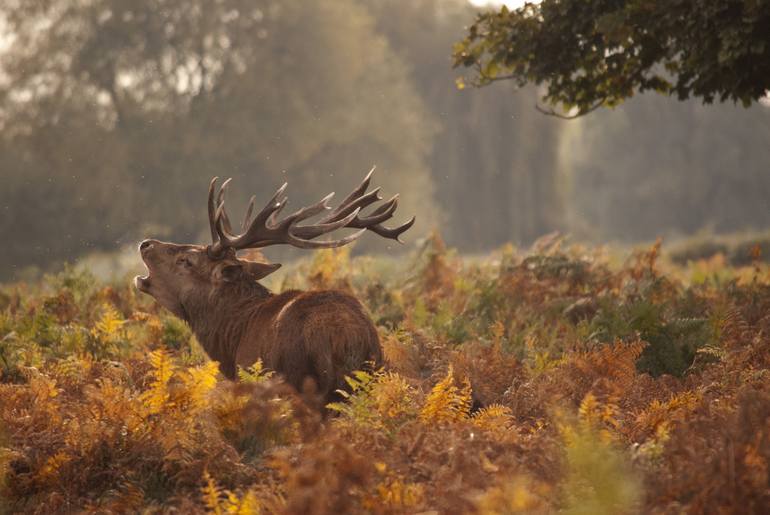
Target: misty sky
{"x": 510, "y": 3}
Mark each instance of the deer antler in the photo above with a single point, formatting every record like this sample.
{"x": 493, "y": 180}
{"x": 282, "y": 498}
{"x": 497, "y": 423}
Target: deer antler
{"x": 265, "y": 229}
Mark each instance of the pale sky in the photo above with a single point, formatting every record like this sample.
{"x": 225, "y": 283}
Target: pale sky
{"x": 510, "y": 3}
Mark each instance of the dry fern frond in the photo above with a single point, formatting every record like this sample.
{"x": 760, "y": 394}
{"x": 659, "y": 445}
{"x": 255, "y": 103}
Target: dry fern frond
{"x": 156, "y": 397}
{"x": 198, "y": 383}
{"x": 496, "y": 419}
{"x": 221, "y": 501}
{"x": 663, "y": 414}
{"x": 519, "y": 494}
{"x": 446, "y": 402}
{"x": 109, "y": 324}
{"x": 381, "y": 400}
{"x": 326, "y": 269}
{"x": 598, "y": 416}
{"x": 394, "y": 495}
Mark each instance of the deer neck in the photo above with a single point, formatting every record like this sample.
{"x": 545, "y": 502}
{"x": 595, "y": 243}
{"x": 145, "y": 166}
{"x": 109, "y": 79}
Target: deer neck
{"x": 220, "y": 319}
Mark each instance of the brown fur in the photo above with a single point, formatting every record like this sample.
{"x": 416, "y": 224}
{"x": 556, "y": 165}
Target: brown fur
{"x": 322, "y": 335}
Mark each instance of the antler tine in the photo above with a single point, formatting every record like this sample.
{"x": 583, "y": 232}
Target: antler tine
{"x": 259, "y": 233}
{"x": 355, "y": 201}
{"x": 273, "y": 218}
{"x": 379, "y": 215}
{"x": 212, "y": 209}
{"x": 223, "y": 241}
{"x": 221, "y": 202}
{"x": 308, "y": 232}
{"x": 394, "y": 233}
{"x": 273, "y": 206}
{"x": 278, "y": 193}
{"x": 249, "y": 210}
{"x": 221, "y": 230}
{"x": 345, "y": 208}
{"x": 304, "y": 213}
{"x": 372, "y": 221}
{"x": 384, "y": 212}
{"x": 330, "y": 244}
{"x": 360, "y": 189}
{"x": 299, "y": 241}
{"x": 352, "y": 220}
{"x": 266, "y": 229}
{"x": 307, "y": 212}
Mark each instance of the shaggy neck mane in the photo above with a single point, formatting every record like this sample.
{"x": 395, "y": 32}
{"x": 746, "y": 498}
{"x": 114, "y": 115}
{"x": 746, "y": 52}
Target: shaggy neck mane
{"x": 220, "y": 318}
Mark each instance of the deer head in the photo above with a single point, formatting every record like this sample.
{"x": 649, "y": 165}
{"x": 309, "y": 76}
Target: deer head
{"x": 180, "y": 274}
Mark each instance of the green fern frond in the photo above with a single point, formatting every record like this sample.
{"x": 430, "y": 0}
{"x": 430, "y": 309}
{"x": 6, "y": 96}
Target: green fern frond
{"x": 254, "y": 374}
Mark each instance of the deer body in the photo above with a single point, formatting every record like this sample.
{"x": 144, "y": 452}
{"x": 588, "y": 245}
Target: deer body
{"x": 317, "y": 335}
{"x": 322, "y": 335}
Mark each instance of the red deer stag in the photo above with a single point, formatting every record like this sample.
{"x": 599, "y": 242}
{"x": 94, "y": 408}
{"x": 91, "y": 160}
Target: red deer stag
{"x": 323, "y": 335}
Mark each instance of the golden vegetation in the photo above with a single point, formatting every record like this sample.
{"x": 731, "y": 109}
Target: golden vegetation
{"x": 523, "y": 383}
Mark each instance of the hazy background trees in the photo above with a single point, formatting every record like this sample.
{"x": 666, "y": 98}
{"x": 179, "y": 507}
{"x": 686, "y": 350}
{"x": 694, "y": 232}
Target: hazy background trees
{"x": 657, "y": 166}
{"x": 118, "y": 112}
{"x": 114, "y": 115}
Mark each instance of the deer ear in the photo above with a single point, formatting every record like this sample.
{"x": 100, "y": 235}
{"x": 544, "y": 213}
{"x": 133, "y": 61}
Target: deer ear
{"x": 231, "y": 273}
{"x": 259, "y": 270}
{"x": 255, "y": 271}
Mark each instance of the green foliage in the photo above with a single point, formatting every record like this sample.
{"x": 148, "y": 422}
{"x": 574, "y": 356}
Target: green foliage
{"x": 176, "y": 334}
{"x": 673, "y": 342}
{"x": 599, "y": 479}
{"x": 600, "y": 54}
{"x": 380, "y": 400}
{"x": 254, "y": 374}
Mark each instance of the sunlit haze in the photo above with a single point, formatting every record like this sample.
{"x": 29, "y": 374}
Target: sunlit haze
{"x": 513, "y": 4}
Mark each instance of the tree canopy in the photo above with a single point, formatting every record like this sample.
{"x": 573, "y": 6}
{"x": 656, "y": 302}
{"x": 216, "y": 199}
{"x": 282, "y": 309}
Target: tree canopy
{"x": 593, "y": 53}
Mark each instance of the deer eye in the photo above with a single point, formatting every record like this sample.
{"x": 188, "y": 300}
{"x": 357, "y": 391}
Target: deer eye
{"x": 185, "y": 262}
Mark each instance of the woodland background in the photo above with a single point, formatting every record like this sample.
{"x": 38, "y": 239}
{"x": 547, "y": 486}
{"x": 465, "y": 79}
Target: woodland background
{"x": 115, "y": 114}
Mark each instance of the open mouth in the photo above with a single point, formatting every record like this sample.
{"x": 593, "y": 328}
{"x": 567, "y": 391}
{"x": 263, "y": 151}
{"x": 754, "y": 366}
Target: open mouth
{"x": 142, "y": 282}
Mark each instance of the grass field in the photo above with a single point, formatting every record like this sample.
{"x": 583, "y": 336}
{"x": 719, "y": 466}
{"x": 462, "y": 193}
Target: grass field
{"x": 560, "y": 378}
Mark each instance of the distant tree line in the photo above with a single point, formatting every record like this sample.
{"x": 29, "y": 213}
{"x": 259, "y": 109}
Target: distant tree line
{"x": 114, "y": 114}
